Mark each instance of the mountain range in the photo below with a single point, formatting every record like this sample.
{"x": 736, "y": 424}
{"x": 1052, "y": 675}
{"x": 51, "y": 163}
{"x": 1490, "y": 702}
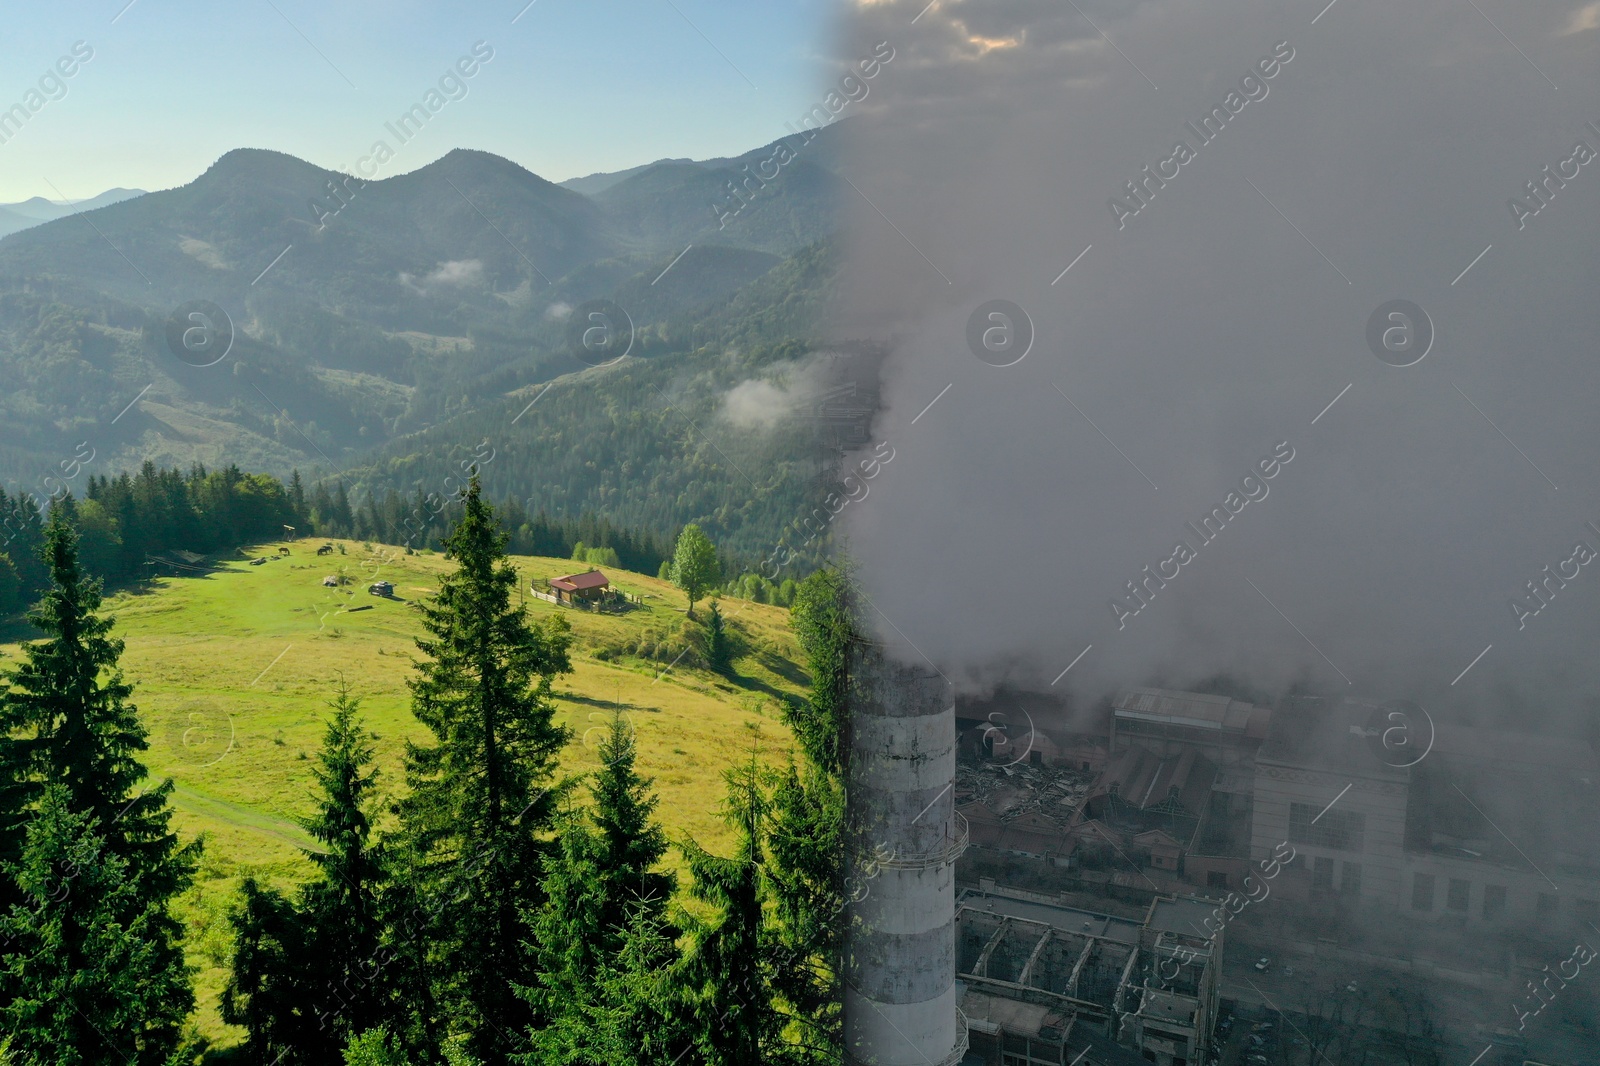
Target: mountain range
{"x": 378, "y": 325}
{"x": 29, "y": 213}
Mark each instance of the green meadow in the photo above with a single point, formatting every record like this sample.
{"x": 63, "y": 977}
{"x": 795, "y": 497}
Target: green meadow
{"x": 233, "y": 665}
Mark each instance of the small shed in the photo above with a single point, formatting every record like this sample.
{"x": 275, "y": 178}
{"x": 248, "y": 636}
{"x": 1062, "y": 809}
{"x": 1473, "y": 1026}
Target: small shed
{"x": 590, "y": 585}
{"x": 381, "y": 588}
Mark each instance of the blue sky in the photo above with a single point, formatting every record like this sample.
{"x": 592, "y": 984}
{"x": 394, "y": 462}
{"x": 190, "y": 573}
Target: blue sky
{"x": 575, "y": 86}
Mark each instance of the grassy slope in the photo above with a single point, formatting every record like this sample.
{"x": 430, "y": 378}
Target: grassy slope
{"x": 233, "y": 667}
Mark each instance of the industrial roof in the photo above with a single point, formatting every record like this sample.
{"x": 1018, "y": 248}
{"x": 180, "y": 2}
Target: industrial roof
{"x": 1193, "y": 710}
{"x": 1185, "y": 917}
{"x": 1066, "y": 919}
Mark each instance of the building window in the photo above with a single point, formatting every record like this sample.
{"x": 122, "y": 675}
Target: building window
{"x": 1322, "y": 873}
{"x": 1340, "y": 830}
{"x": 1548, "y": 904}
{"x": 1350, "y": 879}
{"x": 1494, "y": 900}
{"x": 1459, "y": 896}
{"x": 1216, "y": 879}
{"x": 1422, "y": 892}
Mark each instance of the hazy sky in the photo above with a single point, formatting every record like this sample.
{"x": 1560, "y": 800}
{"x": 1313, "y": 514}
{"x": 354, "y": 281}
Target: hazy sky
{"x": 575, "y": 86}
{"x": 1198, "y": 331}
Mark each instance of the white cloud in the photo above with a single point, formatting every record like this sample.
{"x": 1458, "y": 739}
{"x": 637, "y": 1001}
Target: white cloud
{"x": 455, "y": 274}
{"x": 1585, "y": 18}
{"x": 762, "y": 403}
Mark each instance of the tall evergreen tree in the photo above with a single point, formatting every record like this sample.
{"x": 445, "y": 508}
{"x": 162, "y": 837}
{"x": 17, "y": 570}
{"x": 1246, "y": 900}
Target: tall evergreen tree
{"x": 728, "y": 966}
{"x": 342, "y": 908}
{"x": 566, "y": 929}
{"x": 630, "y": 844}
{"x": 602, "y": 883}
{"x": 719, "y": 646}
{"x": 90, "y": 978}
{"x": 303, "y": 977}
{"x": 268, "y": 990}
{"x": 630, "y": 1013}
{"x": 482, "y": 794}
{"x": 806, "y": 871}
{"x": 67, "y": 722}
{"x": 806, "y": 838}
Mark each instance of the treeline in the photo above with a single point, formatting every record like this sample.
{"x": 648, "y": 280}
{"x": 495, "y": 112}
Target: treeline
{"x": 498, "y": 921}
{"x": 424, "y": 520}
{"x": 128, "y": 522}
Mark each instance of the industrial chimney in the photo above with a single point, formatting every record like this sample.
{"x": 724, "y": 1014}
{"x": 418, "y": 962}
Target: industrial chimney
{"x": 900, "y": 1004}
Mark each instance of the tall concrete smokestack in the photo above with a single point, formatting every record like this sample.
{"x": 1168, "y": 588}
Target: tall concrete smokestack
{"x": 900, "y": 999}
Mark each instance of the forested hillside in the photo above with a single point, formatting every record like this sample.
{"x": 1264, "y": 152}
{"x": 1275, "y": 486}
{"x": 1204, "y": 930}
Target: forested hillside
{"x": 384, "y": 331}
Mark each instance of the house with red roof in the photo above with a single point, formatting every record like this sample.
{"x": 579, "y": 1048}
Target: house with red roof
{"x": 590, "y": 586}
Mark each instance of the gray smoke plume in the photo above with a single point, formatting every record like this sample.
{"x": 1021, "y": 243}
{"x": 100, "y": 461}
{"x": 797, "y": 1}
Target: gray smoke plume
{"x": 1193, "y": 313}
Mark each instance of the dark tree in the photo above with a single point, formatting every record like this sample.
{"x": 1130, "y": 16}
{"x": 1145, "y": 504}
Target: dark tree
{"x": 268, "y": 990}
{"x": 342, "y": 907}
{"x": 822, "y": 619}
{"x": 90, "y": 976}
{"x": 805, "y": 867}
{"x": 305, "y": 976}
{"x": 728, "y": 965}
{"x": 719, "y": 645}
{"x": 630, "y": 845}
{"x": 68, "y": 723}
{"x": 484, "y": 791}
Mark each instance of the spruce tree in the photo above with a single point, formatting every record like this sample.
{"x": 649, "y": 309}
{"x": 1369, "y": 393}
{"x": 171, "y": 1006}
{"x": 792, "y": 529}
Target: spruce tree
{"x": 806, "y": 839}
{"x": 90, "y": 978}
{"x": 719, "y": 647}
{"x": 66, "y": 707}
{"x": 565, "y": 931}
{"x": 728, "y": 965}
{"x": 630, "y": 1013}
{"x": 342, "y": 908}
{"x": 66, "y": 720}
{"x": 483, "y": 793}
{"x": 303, "y": 978}
{"x": 630, "y": 844}
{"x": 269, "y": 991}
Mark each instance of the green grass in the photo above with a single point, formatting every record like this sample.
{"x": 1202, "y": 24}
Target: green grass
{"x": 233, "y": 667}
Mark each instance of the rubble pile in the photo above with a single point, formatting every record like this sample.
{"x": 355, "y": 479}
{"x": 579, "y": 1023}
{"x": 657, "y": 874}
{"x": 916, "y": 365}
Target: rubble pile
{"x": 1012, "y": 791}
